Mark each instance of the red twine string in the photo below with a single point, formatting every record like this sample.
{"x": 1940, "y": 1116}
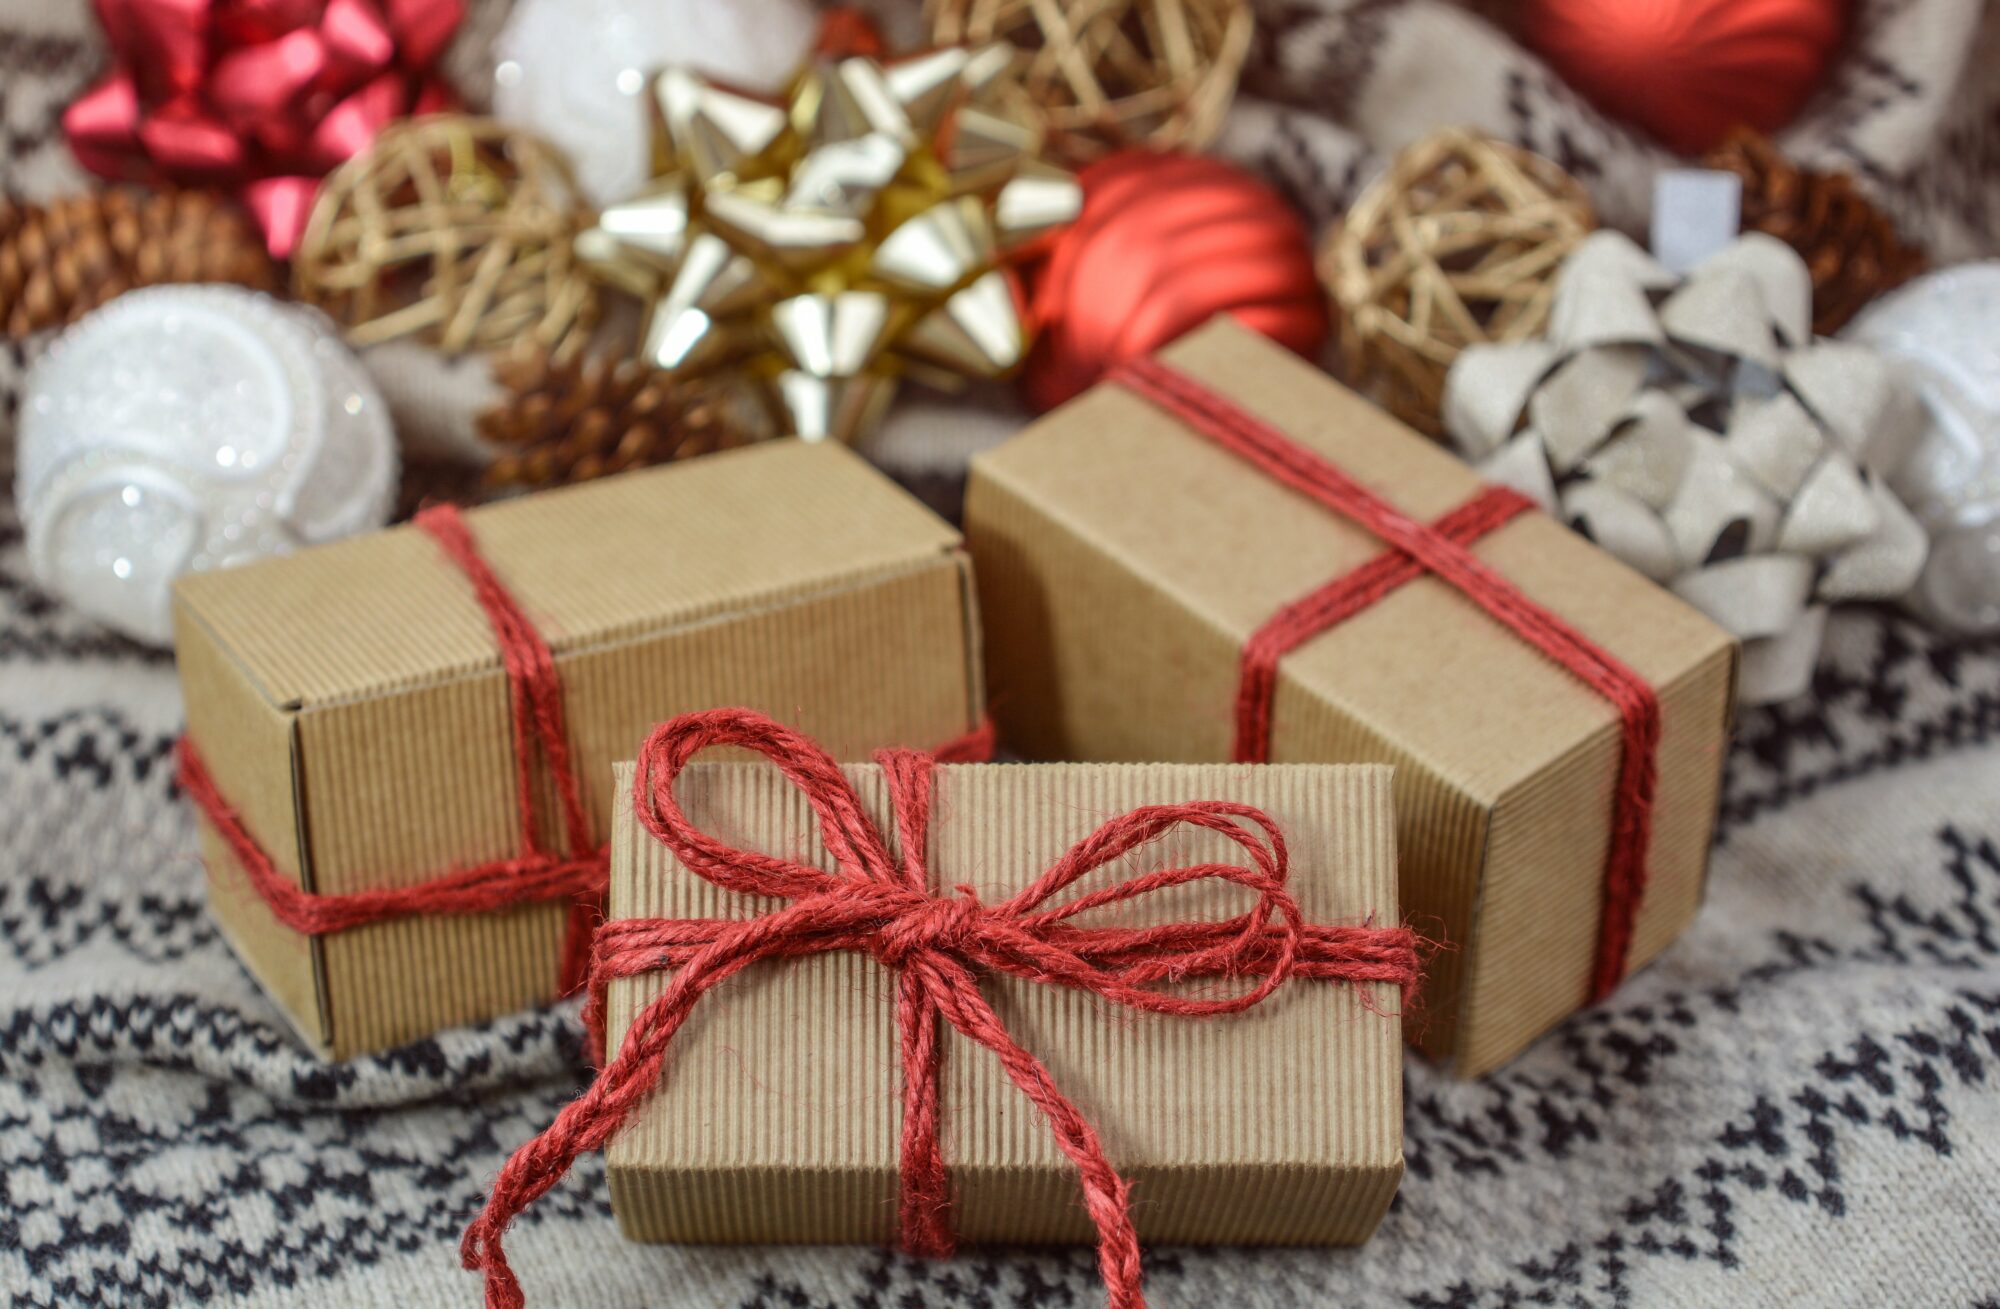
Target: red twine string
{"x": 1416, "y": 549}
{"x": 540, "y": 872}
{"x": 937, "y": 945}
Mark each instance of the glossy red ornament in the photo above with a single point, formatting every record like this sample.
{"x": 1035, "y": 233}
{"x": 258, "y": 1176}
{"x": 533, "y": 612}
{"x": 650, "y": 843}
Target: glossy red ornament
{"x": 1688, "y": 71}
{"x": 845, "y": 31}
{"x": 263, "y": 97}
{"x": 1164, "y": 243}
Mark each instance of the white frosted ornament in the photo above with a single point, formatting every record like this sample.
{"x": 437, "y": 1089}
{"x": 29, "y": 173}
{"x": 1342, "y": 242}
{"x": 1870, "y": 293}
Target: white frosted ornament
{"x": 1945, "y": 327}
{"x": 576, "y": 71}
{"x": 191, "y": 427}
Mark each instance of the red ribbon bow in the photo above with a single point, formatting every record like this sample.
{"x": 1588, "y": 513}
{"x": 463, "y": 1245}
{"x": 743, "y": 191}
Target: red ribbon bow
{"x": 265, "y": 96}
{"x": 937, "y": 946}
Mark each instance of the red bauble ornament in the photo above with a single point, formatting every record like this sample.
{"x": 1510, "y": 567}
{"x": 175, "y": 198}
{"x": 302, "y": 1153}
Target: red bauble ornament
{"x": 1165, "y": 242}
{"x": 1689, "y": 71}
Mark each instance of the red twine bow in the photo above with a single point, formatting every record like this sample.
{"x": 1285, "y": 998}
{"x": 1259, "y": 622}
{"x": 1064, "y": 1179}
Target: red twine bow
{"x": 265, "y": 96}
{"x": 937, "y": 946}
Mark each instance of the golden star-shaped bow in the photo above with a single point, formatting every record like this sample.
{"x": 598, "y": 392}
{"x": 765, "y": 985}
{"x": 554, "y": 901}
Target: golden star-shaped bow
{"x": 829, "y": 243}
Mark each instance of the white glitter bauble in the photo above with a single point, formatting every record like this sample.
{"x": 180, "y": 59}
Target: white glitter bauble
{"x": 575, "y": 71}
{"x": 192, "y": 427}
{"x": 1946, "y": 327}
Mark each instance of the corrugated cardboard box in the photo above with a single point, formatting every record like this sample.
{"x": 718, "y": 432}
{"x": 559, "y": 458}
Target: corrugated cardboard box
{"x": 1123, "y": 561}
{"x": 780, "y": 1112}
{"x": 350, "y": 701}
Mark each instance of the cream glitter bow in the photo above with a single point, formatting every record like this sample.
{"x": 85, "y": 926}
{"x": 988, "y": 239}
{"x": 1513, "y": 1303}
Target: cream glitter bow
{"x": 1694, "y": 428}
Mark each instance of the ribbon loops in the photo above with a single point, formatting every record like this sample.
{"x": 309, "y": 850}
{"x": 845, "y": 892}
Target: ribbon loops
{"x": 881, "y": 904}
{"x": 263, "y": 96}
{"x": 1018, "y": 936}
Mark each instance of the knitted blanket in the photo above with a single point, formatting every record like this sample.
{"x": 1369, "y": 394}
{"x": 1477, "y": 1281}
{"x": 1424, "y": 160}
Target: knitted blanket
{"x": 1800, "y": 1103}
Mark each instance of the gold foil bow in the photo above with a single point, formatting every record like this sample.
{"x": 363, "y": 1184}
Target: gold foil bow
{"x": 1695, "y": 428}
{"x": 830, "y": 242}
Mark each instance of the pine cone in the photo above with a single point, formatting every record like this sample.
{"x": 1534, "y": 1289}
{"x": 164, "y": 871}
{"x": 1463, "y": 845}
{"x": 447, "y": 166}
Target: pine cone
{"x": 570, "y": 421}
{"x": 1847, "y": 241}
{"x": 60, "y": 261}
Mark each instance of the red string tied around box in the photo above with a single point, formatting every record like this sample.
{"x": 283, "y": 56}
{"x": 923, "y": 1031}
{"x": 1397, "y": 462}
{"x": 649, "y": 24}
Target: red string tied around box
{"x": 541, "y": 872}
{"x": 937, "y": 945}
{"x": 1415, "y": 550}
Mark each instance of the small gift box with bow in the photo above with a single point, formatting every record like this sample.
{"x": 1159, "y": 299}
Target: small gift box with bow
{"x": 945, "y": 998}
{"x": 401, "y": 745}
{"x": 1223, "y": 554}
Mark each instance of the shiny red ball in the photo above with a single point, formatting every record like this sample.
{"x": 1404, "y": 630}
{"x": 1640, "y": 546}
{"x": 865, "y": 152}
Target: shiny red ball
{"x": 1164, "y": 243}
{"x": 1688, "y": 71}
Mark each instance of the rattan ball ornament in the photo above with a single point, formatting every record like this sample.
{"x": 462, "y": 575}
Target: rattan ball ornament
{"x": 1108, "y": 74}
{"x": 1457, "y": 244}
{"x": 454, "y": 231}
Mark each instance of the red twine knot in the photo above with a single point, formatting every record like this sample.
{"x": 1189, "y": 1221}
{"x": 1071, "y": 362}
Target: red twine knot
{"x": 930, "y": 924}
{"x": 937, "y": 946}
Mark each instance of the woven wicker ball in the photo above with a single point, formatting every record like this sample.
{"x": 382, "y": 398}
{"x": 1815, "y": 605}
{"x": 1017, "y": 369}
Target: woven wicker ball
{"x": 1108, "y": 74}
{"x": 1456, "y": 245}
{"x": 452, "y": 230}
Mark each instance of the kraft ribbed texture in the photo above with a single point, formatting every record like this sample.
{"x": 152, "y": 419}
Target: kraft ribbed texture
{"x": 1124, "y": 562}
{"x": 780, "y": 1114}
{"x": 847, "y": 613}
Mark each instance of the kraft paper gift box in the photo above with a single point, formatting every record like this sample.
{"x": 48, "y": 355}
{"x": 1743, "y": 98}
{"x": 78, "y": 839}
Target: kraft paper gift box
{"x": 350, "y": 703}
{"x": 1125, "y": 558}
{"x": 779, "y": 1113}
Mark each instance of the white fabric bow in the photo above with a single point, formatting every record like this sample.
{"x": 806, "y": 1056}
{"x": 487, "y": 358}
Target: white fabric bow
{"x": 1695, "y": 429}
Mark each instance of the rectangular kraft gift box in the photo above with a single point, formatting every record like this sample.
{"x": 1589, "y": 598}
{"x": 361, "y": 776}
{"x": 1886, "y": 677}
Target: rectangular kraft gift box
{"x": 779, "y": 1114}
{"x": 350, "y": 701}
{"x": 1124, "y": 560}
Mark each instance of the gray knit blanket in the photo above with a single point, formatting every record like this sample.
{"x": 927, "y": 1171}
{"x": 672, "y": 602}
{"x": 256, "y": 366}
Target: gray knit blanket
{"x": 1799, "y": 1104}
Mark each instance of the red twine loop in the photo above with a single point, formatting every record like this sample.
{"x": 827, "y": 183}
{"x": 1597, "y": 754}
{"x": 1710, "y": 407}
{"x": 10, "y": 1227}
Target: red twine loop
{"x": 1417, "y": 549}
{"x": 541, "y": 872}
{"x": 938, "y": 946}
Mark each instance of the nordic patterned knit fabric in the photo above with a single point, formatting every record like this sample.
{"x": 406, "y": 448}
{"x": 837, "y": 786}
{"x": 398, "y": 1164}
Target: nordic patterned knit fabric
{"x": 1798, "y": 1104}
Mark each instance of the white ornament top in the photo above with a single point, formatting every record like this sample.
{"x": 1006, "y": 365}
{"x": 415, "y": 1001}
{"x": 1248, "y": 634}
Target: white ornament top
{"x": 192, "y": 427}
{"x": 576, "y": 72}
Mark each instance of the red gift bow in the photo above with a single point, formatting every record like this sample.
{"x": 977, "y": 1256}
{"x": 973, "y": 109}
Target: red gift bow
{"x": 262, "y": 96}
{"x": 937, "y": 946}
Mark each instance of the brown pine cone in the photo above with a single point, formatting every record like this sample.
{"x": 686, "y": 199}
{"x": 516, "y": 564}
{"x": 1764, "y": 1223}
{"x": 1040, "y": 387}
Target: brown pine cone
{"x": 61, "y": 260}
{"x": 1847, "y": 241}
{"x": 570, "y": 421}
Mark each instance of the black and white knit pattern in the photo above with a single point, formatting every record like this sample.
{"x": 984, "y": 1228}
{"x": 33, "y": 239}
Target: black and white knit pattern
{"x": 1799, "y": 1104}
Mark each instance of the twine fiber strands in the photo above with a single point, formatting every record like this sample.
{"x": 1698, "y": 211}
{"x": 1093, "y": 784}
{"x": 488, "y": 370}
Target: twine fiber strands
{"x": 937, "y": 945}
{"x": 1416, "y": 549}
{"x": 540, "y": 872}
